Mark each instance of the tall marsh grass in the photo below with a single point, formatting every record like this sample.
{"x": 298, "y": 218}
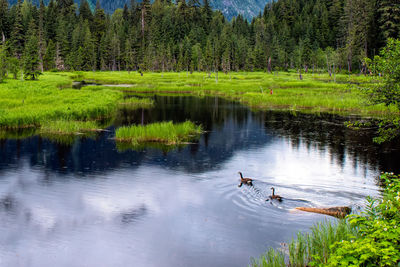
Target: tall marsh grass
{"x": 309, "y": 249}
{"x": 68, "y": 127}
{"x": 135, "y": 102}
{"x": 162, "y": 132}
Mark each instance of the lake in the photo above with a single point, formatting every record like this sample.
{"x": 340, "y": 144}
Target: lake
{"x": 91, "y": 203}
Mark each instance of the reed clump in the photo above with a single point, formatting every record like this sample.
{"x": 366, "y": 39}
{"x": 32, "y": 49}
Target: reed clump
{"x": 69, "y": 127}
{"x": 135, "y": 103}
{"x": 315, "y": 246}
{"x": 161, "y": 132}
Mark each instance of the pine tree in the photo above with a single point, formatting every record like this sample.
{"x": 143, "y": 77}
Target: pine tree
{"x": 389, "y": 11}
{"x": 51, "y": 21}
{"x": 85, "y": 13}
{"x": 17, "y": 34}
{"x": 88, "y": 52}
{"x": 41, "y": 34}
{"x": 99, "y": 29}
{"x": 129, "y": 56}
{"x": 49, "y": 56}
{"x": 31, "y": 55}
{"x": 3, "y": 20}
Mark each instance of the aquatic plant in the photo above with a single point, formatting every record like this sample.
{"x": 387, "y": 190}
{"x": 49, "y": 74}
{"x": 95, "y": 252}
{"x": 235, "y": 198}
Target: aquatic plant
{"x": 135, "y": 102}
{"x": 68, "y": 127}
{"x": 162, "y": 132}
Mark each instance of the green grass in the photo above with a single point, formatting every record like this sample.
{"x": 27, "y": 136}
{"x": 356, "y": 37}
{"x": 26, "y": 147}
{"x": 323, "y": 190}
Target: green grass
{"x": 26, "y": 104}
{"x": 32, "y": 103}
{"x": 315, "y": 246}
{"x": 135, "y": 102}
{"x": 69, "y": 127}
{"x": 315, "y": 93}
{"x": 163, "y": 132}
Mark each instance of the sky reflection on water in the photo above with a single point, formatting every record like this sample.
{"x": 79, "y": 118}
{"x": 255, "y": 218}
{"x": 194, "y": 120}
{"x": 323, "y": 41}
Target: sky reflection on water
{"x": 89, "y": 204}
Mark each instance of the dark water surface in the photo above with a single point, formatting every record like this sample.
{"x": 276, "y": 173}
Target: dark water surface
{"x": 91, "y": 204}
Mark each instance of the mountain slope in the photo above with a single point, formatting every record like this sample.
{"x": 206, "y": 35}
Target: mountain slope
{"x": 248, "y": 8}
{"x": 230, "y": 8}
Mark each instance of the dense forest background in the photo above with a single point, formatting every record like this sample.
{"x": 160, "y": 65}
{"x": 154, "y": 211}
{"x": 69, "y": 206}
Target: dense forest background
{"x": 188, "y": 35}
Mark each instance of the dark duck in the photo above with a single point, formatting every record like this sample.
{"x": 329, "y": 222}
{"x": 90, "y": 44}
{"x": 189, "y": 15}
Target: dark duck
{"x": 247, "y": 181}
{"x": 273, "y": 196}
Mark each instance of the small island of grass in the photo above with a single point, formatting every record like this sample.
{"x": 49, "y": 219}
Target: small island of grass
{"x": 135, "y": 102}
{"x": 162, "y": 132}
{"x": 69, "y": 127}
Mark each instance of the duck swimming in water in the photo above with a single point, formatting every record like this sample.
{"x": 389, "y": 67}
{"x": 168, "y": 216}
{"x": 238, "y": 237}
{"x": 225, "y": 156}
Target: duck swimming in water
{"x": 273, "y": 196}
{"x": 243, "y": 180}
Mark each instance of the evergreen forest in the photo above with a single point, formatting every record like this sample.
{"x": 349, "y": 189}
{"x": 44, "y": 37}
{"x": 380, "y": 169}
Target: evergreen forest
{"x": 336, "y": 35}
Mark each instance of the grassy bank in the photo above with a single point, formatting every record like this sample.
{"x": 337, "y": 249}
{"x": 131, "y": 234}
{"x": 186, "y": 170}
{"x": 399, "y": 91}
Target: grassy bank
{"x": 164, "y": 132}
{"x": 50, "y": 104}
{"x": 34, "y": 103}
{"x": 314, "y": 93}
{"x": 371, "y": 238}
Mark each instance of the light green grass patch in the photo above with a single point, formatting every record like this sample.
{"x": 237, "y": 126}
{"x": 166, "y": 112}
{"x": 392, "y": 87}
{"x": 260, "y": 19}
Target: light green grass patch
{"x": 162, "y": 132}
{"x": 135, "y": 102}
{"x": 31, "y": 103}
{"x": 69, "y": 127}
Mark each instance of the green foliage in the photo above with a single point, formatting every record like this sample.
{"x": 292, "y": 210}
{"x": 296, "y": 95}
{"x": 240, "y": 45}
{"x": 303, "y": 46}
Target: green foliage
{"x": 14, "y": 66}
{"x": 387, "y": 92}
{"x": 378, "y": 231}
{"x": 31, "y": 58}
{"x": 168, "y": 36}
{"x": 163, "y": 132}
{"x": 3, "y": 63}
{"x": 371, "y": 238}
{"x": 310, "y": 249}
{"x": 387, "y": 65}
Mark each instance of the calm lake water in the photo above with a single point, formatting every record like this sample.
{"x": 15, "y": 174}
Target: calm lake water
{"x": 91, "y": 204}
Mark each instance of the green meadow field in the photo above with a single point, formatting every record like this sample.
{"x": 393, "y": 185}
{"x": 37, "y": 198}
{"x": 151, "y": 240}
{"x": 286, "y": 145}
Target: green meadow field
{"x": 25, "y": 104}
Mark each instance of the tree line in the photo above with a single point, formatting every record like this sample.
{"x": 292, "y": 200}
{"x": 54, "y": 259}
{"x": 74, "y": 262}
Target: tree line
{"x": 336, "y": 35}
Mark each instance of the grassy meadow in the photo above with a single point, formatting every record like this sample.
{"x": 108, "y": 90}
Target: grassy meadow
{"x": 34, "y": 103}
{"x": 53, "y": 106}
{"x": 314, "y": 93}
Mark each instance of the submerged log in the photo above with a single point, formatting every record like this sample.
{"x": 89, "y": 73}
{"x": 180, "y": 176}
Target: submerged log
{"x": 338, "y": 212}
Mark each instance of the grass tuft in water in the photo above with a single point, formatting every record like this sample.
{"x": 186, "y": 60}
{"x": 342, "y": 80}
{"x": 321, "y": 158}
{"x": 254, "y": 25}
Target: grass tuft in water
{"x": 162, "y": 132}
{"x": 135, "y": 103}
{"x": 69, "y": 127}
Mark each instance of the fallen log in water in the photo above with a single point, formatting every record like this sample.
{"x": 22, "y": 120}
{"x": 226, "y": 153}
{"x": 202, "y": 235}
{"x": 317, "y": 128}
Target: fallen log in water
{"x": 338, "y": 212}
